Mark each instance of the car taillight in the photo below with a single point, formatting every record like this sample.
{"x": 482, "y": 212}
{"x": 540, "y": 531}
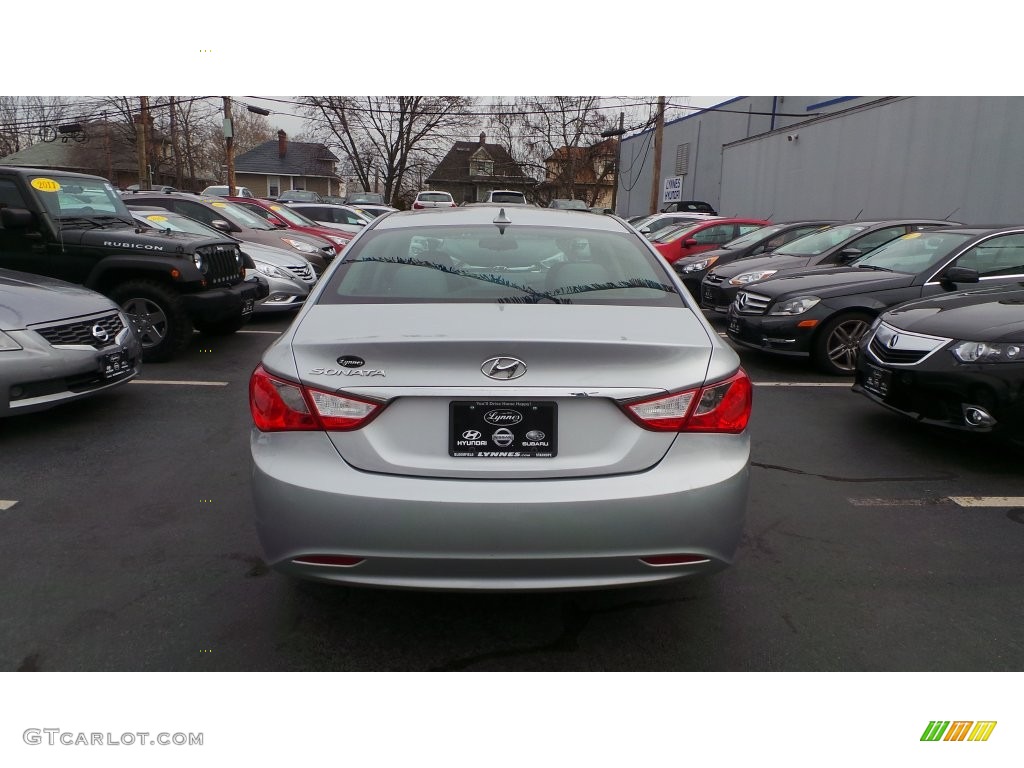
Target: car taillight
{"x": 282, "y": 406}
{"x": 722, "y": 406}
{"x": 417, "y": 206}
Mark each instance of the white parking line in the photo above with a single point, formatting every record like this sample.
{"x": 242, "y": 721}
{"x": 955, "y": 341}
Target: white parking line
{"x": 895, "y": 502}
{"x": 988, "y": 501}
{"x": 802, "y": 384}
{"x": 275, "y": 333}
{"x": 4, "y": 504}
{"x": 183, "y": 383}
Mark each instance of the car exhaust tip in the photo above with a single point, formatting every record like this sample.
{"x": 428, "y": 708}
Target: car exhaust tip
{"x": 976, "y": 416}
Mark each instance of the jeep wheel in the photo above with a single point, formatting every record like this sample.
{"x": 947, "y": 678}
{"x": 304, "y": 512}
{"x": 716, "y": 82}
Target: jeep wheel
{"x": 836, "y": 346}
{"x": 222, "y": 327}
{"x": 160, "y": 321}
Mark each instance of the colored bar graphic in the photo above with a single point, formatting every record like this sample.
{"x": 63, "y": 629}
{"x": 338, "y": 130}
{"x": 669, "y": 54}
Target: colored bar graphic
{"x": 959, "y": 730}
{"x": 982, "y": 730}
{"x": 935, "y": 730}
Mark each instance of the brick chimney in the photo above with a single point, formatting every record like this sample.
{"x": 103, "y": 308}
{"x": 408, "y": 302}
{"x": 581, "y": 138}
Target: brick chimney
{"x": 282, "y": 144}
{"x": 483, "y": 138}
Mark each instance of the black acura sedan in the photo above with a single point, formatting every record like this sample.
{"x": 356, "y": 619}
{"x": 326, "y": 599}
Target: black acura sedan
{"x": 823, "y": 313}
{"x": 954, "y": 361}
{"x": 836, "y": 245}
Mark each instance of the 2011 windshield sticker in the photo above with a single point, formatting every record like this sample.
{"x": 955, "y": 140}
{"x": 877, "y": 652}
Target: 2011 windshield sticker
{"x": 45, "y": 185}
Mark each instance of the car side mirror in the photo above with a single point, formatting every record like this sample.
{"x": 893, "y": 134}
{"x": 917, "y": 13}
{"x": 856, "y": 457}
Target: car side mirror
{"x": 276, "y": 222}
{"x": 220, "y": 224}
{"x": 16, "y": 218}
{"x": 690, "y": 242}
{"x": 849, "y": 254}
{"x": 960, "y": 275}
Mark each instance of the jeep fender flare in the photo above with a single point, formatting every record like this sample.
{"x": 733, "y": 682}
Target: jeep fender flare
{"x": 148, "y": 266}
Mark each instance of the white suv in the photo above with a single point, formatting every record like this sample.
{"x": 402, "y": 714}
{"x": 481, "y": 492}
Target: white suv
{"x": 506, "y": 196}
{"x": 433, "y": 200}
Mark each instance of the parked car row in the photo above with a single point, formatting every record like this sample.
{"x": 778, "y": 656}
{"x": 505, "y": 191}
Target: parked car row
{"x": 926, "y": 314}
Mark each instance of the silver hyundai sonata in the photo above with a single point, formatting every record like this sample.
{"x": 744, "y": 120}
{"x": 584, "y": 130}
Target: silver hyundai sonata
{"x": 489, "y": 398}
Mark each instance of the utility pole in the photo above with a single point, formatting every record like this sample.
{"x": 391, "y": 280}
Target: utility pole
{"x": 229, "y": 149}
{"x": 140, "y": 140}
{"x": 178, "y": 170}
{"x": 659, "y": 131}
{"x": 106, "y": 148}
{"x": 618, "y": 153}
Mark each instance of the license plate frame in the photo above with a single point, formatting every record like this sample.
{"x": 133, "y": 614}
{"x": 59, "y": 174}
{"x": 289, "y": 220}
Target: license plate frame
{"x": 877, "y": 380}
{"x": 116, "y": 364}
{"x": 513, "y": 429}
{"x": 247, "y": 307}
{"x": 734, "y": 325}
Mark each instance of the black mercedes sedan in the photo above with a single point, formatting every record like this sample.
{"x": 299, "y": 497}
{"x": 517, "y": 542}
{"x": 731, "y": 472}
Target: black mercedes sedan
{"x": 823, "y": 313}
{"x": 692, "y": 269}
{"x": 954, "y": 361}
{"x": 840, "y": 244}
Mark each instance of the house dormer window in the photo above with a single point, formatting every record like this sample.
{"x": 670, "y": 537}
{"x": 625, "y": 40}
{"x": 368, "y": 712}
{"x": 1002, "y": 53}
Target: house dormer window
{"x": 481, "y": 168}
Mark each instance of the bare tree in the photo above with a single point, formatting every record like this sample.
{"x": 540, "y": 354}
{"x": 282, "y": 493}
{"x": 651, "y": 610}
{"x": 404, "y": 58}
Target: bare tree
{"x": 25, "y": 120}
{"x": 384, "y": 138}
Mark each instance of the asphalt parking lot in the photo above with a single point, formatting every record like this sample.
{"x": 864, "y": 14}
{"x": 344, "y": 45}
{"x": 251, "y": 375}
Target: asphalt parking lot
{"x": 126, "y": 543}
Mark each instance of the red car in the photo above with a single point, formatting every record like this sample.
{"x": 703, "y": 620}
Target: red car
{"x": 283, "y": 217}
{"x": 695, "y": 237}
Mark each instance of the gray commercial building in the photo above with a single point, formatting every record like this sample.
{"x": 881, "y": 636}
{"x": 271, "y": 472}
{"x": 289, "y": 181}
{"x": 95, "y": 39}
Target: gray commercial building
{"x": 792, "y": 157}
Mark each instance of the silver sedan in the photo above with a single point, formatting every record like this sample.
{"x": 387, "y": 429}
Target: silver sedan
{"x": 504, "y": 410}
{"x": 59, "y": 342}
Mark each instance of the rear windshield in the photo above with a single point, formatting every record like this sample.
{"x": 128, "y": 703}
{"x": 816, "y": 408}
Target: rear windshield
{"x": 507, "y": 197}
{"x": 477, "y": 264}
{"x": 435, "y": 197}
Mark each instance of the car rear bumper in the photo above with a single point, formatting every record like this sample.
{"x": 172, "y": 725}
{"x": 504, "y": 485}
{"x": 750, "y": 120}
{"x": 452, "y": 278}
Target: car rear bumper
{"x": 507, "y": 535}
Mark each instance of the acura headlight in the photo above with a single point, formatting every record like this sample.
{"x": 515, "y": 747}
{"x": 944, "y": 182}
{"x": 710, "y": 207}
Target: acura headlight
{"x": 752, "y": 277}
{"x": 987, "y": 352}
{"x": 299, "y": 246}
{"x": 697, "y": 266}
{"x": 796, "y": 306}
{"x": 7, "y": 343}
{"x": 269, "y": 269}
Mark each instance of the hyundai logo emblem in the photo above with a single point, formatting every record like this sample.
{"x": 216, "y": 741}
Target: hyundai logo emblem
{"x": 100, "y": 333}
{"x": 503, "y": 368}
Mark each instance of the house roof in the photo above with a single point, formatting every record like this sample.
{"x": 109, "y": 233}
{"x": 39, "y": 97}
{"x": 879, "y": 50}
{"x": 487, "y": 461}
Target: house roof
{"x": 455, "y": 165}
{"x": 87, "y": 155}
{"x": 301, "y": 159}
{"x": 602, "y": 148}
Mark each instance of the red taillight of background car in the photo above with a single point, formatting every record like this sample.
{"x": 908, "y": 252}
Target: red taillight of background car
{"x": 417, "y": 207}
{"x": 283, "y": 406}
{"x": 723, "y": 406}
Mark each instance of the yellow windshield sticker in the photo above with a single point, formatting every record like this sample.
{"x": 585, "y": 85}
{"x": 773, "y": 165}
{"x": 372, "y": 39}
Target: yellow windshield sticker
{"x": 219, "y": 205}
{"x": 157, "y": 218}
{"x": 275, "y": 207}
{"x": 46, "y": 185}
{"x": 911, "y": 236}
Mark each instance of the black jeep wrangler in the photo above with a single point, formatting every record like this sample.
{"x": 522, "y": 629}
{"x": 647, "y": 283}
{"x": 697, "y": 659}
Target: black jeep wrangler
{"x": 76, "y": 228}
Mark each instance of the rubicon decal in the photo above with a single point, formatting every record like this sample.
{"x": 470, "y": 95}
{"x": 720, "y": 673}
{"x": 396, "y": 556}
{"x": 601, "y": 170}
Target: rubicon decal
{"x": 137, "y": 246}
{"x": 958, "y": 730}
